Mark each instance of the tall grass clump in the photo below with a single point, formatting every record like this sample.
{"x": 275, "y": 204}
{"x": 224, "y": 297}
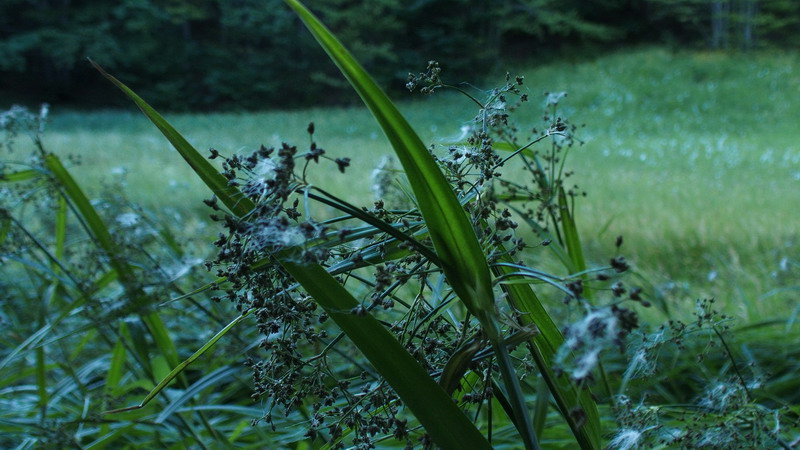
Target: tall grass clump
{"x": 418, "y": 319}
{"x": 85, "y": 285}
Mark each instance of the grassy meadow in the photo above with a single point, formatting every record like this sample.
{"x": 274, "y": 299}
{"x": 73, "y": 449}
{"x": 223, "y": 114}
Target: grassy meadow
{"x": 691, "y": 156}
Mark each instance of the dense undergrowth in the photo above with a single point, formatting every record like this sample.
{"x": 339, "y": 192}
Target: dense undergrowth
{"x": 105, "y": 304}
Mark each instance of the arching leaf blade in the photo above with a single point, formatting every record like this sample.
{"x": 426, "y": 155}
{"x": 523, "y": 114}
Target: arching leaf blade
{"x": 103, "y": 238}
{"x": 454, "y": 239}
{"x": 545, "y": 346}
{"x": 231, "y": 197}
{"x": 432, "y": 406}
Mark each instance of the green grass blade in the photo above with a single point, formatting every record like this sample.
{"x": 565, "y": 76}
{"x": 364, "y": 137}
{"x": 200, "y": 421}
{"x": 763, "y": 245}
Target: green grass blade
{"x": 542, "y": 404}
{"x": 60, "y": 233}
{"x": 573, "y": 243}
{"x": 22, "y": 175}
{"x": 93, "y": 221}
{"x": 161, "y": 337}
{"x": 182, "y": 366}
{"x": 436, "y": 411}
{"x": 554, "y": 245}
{"x": 5, "y": 226}
{"x": 114, "y": 375}
{"x": 458, "y": 364}
{"x": 231, "y": 197}
{"x": 41, "y": 380}
{"x": 571, "y": 238}
{"x": 201, "y": 384}
{"x": 546, "y": 344}
{"x": 30, "y": 341}
{"x": 103, "y": 239}
{"x": 135, "y": 334}
{"x": 107, "y": 439}
{"x": 387, "y": 228}
{"x": 454, "y": 239}
{"x": 104, "y": 280}
{"x": 60, "y": 230}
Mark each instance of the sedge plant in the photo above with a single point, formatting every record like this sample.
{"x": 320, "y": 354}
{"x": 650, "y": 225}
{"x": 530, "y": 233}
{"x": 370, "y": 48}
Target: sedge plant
{"x": 454, "y": 232}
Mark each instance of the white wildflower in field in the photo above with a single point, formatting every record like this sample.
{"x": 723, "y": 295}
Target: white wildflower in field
{"x": 723, "y": 396}
{"x": 586, "y": 339}
{"x": 128, "y": 219}
{"x": 42, "y": 119}
{"x": 265, "y": 169}
{"x": 626, "y": 439}
{"x": 586, "y": 362}
{"x": 554, "y": 97}
{"x": 465, "y": 131}
{"x": 714, "y": 437}
{"x": 639, "y": 364}
{"x": 178, "y": 269}
{"x": 274, "y": 235}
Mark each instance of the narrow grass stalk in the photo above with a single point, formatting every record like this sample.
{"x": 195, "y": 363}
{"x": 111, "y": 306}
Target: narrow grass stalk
{"x": 236, "y": 202}
{"x": 575, "y": 249}
{"x": 544, "y": 348}
{"x": 453, "y": 237}
{"x": 179, "y": 368}
{"x": 517, "y": 398}
{"x": 103, "y": 238}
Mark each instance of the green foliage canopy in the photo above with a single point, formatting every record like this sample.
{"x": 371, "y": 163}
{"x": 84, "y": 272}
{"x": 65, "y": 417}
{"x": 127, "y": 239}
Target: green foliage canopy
{"x": 248, "y": 54}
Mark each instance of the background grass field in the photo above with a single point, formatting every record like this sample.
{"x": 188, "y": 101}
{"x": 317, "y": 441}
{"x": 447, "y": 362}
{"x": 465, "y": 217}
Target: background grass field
{"x": 692, "y": 156}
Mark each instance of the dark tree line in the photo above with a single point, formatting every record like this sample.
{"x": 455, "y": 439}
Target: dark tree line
{"x": 254, "y": 54}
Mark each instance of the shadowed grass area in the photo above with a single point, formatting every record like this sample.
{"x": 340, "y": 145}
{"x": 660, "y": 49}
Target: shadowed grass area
{"x": 693, "y": 157}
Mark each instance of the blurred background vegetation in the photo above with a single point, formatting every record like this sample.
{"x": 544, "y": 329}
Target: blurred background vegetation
{"x": 255, "y": 55}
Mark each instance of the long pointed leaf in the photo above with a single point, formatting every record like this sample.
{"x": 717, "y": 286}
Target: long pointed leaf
{"x": 454, "y": 239}
{"x": 571, "y": 237}
{"x": 554, "y": 245}
{"x": 573, "y": 242}
{"x": 22, "y": 175}
{"x": 448, "y": 428}
{"x": 179, "y": 368}
{"x": 201, "y": 384}
{"x": 104, "y": 240}
{"x": 545, "y": 346}
{"x": 237, "y": 203}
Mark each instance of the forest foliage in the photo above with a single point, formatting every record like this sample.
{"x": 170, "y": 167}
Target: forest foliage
{"x": 248, "y": 54}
